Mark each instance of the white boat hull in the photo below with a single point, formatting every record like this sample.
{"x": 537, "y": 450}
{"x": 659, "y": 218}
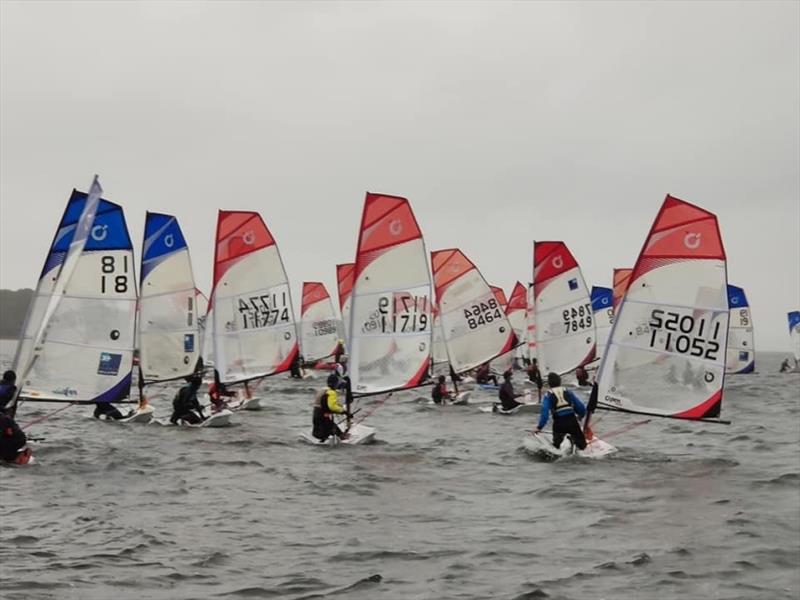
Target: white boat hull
{"x": 141, "y": 415}
{"x": 525, "y": 408}
{"x": 358, "y": 434}
{"x": 253, "y": 403}
{"x": 540, "y": 445}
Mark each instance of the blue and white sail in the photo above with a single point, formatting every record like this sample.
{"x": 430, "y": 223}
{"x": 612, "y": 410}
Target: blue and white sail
{"x": 603, "y": 311}
{"x": 740, "y": 357}
{"x": 794, "y": 333}
{"x": 169, "y": 334}
{"x": 77, "y": 342}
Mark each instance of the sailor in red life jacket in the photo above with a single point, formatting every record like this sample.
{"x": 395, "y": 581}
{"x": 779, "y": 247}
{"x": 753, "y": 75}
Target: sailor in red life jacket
{"x": 440, "y": 394}
{"x": 216, "y": 392}
{"x": 484, "y": 375}
{"x": 565, "y": 408}
{"x": 326, "y": 405}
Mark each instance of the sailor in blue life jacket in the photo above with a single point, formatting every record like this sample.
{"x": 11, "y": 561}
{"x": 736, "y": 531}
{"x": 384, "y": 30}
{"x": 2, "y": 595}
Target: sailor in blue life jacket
{"x": 326, "y": 405}
{"x": 185, "y": 405}
{"x": 508, "y": 399}
{"x": 440, "y": 393}
{"x": 565, "y": 408}
{"x": 8, "y": 389}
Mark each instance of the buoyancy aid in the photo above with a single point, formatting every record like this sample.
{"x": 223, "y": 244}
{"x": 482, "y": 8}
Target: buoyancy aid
{"x": 562, "y": 402}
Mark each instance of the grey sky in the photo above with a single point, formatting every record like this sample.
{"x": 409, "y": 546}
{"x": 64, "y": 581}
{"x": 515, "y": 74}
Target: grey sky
{"x": 502, "y": 123}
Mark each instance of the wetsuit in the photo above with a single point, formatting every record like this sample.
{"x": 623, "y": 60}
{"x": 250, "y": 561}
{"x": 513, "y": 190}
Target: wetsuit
{"x": 439, "y": 393}
{"x": 582, "y": 376}
{"x": 536, "y": 377}
{"x": 108, "y": 410}
{"x": 454, "y": 377}
{"x": 325, "y": 406}
{"x": 508, "y": 397}
{"x": 12, "y": 439}
{"x": 295, "y": 368}
{"x": 7, "y": 391}
{"x": 337, "y": 353}
{"x": 564, "y": 406}
{"x": 185, "y": 405}
{"x": 482, "y": 375}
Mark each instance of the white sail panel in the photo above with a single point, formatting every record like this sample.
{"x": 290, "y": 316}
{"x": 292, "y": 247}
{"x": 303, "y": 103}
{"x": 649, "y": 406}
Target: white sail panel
{"x": 666, "y": 352}
{"x": 169, "y": 333}
{"x": 565, "y": 330}
{"x": 319, "y": 325}
{"x": 391, "y": 322}
{"x": 253, "y": 325}
{"x": 740, "y": 357}
{"x": 474, "y": 324}
{"x": 87, "y": 352}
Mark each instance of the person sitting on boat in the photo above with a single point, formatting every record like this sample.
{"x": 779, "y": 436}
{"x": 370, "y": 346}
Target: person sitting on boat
{"x": 185, "y": 405}
{"x": 483, "y": 375}
{"x": 565, "y": 408}
{"x": 535, "y": 376}
{"x": 785, "y": 366}
{"x": 440, "y": 394}
{"x": 109, "y": 412}
{"x": 8, "y": 389}
{"x": 296, "y": 369}
{"x": 326, "y": 405}
{"x": 338, "y": 352}
{"x": 217, "y": 392}
{"x": 582, "y": 376}
{"x": 13, "y": 442}
{"x": 508, "y": 399}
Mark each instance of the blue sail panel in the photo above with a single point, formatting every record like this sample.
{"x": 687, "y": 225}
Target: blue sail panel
{"x": 736, "y": 297}
{"x": 162, "y": 238}
{"x": 602, "y": 298}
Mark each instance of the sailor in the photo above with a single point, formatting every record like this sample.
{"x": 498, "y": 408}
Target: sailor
{"x": 784, "y": 367}
{"x": 338, "y": 351}
{"x": 216, "y": 393}
{"x": 344, "y": 381}
{"x": 508, "y": 399}
{"x": 108, "y": 411}
{"x": 8, "y": 390}
{"x": 582, "y": 376}
{"x": 326, "y": 405}
{"x": 440, "y": 394}
{"x": 185, "y": 405}
{"x": 341, "y": 367}
{"x": 296, "y": 369}
{"x": 13, "y": 448}
{"x": 483, "y": 375}
{"x": 535, "y": 376}
{"x": 565, "y": 408}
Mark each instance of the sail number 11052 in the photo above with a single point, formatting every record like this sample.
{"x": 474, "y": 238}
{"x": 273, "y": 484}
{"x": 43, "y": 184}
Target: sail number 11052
{"x": 684, "y": 334}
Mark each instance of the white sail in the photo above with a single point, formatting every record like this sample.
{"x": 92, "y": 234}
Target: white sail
{"x": 84, "y": 348}
{"x": 794, "y": 333}
{"x": 252, "y": 319}
{"x": 391, "y": 323}
{"x": 666, "y": 352}
{"x": 474, "y": 324}
{"x": 169, "y": 332}
{"x": 565, "y": 329}
{"x": 319, "y": 325}
{"x": 740, "y": 357}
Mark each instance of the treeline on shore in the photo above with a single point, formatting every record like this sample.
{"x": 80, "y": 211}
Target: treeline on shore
{"x": 13, "y": 308}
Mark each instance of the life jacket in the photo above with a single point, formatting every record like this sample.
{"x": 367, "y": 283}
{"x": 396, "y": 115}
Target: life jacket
{"x": 562, "y": 401}
{"x": 7, "y": 391}
{"x": 322, "y": 400}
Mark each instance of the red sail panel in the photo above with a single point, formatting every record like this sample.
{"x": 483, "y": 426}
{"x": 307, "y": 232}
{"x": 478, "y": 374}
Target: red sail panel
{"x": 238, "y": 234}
{"x": 313, "y": 292}
{"x": 518, "y": 300}
{"x": 345, "y": 274}
{"x": 448, "y": 266}
{"x": 387, "y": 221}
{"x": 622, "y": 279}
{"x": 500, "y": 295}
{"x": 550, "y": 259}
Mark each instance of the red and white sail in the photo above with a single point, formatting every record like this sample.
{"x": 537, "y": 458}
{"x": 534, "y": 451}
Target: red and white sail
{"x": 319, "y": 325}
{"x": 500, "y": 295}
{"x": 565, "y": 330}
{"x": 252, "y": 319}
{"x": 391, "y": 320}
{"x": 475, "y": 326}
{"x": 516, "y": 311}
{"x": 666, "y": 352}
{"x": 530, "y": 320}
{"x": 344, "y": 285}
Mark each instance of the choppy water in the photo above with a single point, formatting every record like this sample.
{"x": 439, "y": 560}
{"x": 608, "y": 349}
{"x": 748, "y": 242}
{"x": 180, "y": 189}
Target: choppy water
{"x": 446, "y": 505}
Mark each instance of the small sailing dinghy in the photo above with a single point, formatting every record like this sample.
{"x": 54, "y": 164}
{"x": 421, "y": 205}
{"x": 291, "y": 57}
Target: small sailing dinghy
{"x": 320, "y": 328}
{"x": 391, "y": 320}
{"x": 77, "y": 340}
{"x": 740, "y": 357}
{"x": 539, "y": 444}
{"x": 475, "y": 328}
{"x": 169, "y": 318}
{"x": 252, "y": 319}
{"x": 673, "y": 319}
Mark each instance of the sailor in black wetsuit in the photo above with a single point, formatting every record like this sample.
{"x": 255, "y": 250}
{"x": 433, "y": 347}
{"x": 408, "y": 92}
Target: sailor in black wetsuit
{"x": 108, "y": 411}
{"x": 13, "y": 442}
{"x": 185, "y": 405}
{"x": 440, "y": 393}
{"x": 535, "y": 376}
{"x": 8, "y": 390}
{"x": 508, "y": 399}
{"x": 326, "y": 405}
{"x": 295, "y": 370}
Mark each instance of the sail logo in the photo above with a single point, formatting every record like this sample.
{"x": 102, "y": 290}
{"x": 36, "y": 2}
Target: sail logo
{"x": 188, "y": 342}
{"x": 558, "y": 262}
{"x": 249, "y": 238}
{"x": 99, "y": 232}
{"x": 692, "y": 241}
{"x": 395, "y": 227}
{"x": 573, "y": 284}
{"x": 169, "y": 240}
{"x": 735, "y": 300}
{"x": 109, "y": 363}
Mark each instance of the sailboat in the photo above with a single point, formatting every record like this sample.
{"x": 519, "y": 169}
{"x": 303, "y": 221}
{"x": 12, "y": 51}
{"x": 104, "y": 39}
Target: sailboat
{"x": 565, "y": 328}
{"x": 475, "y": 328}
{"x": 740, "y": 357}
{"x": 77, "y": 341}
{"x": 603, "y": 313}
{"x": 794, "y": 336}
{"x": 169, "y": 333}
{"x": 320, "y": 328}
{"x": 253, "y": 329}
{"x": 515, "y": 311}
{"x": 391, "y": 320}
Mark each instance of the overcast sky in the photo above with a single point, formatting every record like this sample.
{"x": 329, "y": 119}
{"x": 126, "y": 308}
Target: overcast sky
{"x": 501, "y": 122}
